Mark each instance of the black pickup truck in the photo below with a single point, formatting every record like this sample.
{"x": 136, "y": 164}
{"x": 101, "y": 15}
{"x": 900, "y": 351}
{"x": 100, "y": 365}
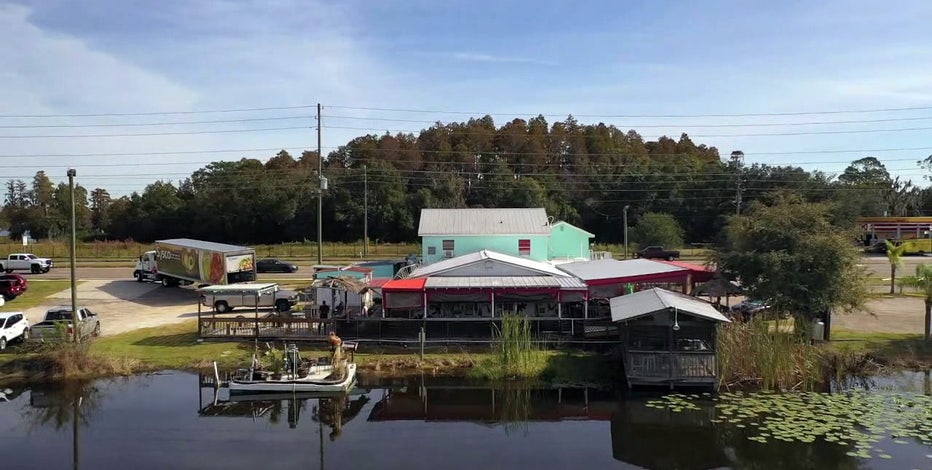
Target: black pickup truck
{"x": 657, "y": 252}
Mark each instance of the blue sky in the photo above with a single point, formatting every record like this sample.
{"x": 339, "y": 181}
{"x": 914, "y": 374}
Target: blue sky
{"x": 507, "y": 58}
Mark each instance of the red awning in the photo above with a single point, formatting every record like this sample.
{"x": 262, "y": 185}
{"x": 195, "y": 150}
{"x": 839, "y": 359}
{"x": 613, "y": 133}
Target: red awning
{"x": 405, "y": 285}
{"x": 379, "y": 282}
{"x": 699, "y": 272}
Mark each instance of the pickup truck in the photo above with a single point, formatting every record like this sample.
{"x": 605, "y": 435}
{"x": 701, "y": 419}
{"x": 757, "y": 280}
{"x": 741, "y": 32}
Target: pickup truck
{"x": 657, "y": 252}
{"x": 25, "y": 262}
{"x": 47, "y": 329}
{"x": 224, "y": 298}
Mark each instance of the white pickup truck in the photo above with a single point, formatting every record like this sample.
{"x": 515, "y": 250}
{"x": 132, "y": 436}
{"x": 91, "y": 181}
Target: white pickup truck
{"x": 48, "y": 330}
{"x": 224, "y": 298}
{"x": 25, "y": 262}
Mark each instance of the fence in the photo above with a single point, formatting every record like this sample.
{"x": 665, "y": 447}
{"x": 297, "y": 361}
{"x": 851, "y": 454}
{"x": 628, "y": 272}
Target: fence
{"x": 667, "y": 365}
{"x": 401, "y": 330}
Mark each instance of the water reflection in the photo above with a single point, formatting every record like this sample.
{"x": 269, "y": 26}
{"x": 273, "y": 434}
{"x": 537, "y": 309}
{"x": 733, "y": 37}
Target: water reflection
{"x": 57, "y": 405}
{"x": 332, "y": 410}
{"x": 159, "y": 422}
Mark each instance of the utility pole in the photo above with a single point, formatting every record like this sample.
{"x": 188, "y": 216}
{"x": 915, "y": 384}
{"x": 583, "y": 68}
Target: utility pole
{"x": 738, "y": 197}
{"x": 625, "y": 217}
{"x": 365, "y": 210}
{"x": 737, "y": 161}
{"x": 74, "y": 293}
{"x": 320, "y": 193}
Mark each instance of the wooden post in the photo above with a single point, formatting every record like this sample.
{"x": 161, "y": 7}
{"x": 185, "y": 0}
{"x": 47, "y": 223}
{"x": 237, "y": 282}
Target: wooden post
{"x": 257, "y": 316}
{"x": 493, "y": 304}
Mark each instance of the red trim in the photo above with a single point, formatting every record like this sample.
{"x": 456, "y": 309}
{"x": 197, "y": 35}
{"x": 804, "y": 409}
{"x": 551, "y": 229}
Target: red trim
{"x": 405, "y": 285}
{"x": 677, "y": 276}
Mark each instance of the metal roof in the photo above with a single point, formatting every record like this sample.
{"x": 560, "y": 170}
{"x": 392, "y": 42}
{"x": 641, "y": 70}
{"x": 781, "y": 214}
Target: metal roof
{"x": 226, "y": 288}
{"x": 487, "y": 282}
{"x": 520, "y": 221}
{"x": 638, "y": 304}
{"x": 563, "y": 222}
{"x": 479, "y": 256}
{"x": 613, "y": 268}
{"x": 202, "y": 245}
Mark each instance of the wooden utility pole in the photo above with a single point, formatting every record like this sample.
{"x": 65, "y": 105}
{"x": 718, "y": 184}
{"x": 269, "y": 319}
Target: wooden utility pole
{"x": 320, "y": 193}
{"x": 365, "y": 210}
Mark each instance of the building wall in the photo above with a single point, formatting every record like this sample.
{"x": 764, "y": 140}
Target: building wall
{"x": 463, "y": 245}
{"x": 568, "y": 242}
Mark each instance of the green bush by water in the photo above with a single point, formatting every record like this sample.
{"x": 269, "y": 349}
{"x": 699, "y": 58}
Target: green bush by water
{"x": 515, "y": 354}
{"x": 759, "y": 352}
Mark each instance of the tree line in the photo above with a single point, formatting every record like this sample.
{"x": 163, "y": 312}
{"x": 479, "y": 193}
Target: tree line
{"x": 585, "y": 174}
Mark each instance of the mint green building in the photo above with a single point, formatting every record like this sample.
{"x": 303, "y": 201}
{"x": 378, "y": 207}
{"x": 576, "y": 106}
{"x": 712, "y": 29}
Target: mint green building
{"x": 522, "y": 232}
{"x": 569, "y": 242}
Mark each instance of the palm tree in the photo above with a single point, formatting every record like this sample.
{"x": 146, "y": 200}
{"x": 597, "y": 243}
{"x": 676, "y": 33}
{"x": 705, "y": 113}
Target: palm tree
{"x": 894, "y": 255}
{"x": 923, "y": 283}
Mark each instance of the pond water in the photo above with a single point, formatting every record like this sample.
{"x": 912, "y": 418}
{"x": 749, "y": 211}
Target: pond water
{"x": 169, "y": 421}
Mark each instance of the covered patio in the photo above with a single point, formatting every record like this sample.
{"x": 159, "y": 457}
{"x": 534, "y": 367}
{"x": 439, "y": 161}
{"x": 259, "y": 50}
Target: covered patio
{"x": 668, "y": 338}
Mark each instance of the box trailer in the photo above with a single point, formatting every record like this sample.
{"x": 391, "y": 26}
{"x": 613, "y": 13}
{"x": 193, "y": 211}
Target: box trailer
{"x": 183, "y": 261}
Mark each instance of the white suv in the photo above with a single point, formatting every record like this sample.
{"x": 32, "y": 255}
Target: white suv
{"x": 13, "y": 325}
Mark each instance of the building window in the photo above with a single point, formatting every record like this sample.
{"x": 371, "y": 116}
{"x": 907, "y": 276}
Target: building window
{"x": 448, "y": 245}
{"x": 524, "y": 247}
{"x": 432, "y": 250}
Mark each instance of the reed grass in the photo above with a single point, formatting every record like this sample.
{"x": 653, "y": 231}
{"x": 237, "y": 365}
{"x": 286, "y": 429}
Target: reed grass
{"x": 514, "y": 354}
{"x": 756, "y": 353}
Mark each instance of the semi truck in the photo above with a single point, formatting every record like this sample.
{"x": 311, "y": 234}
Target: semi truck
{"x": 183, "y": 261}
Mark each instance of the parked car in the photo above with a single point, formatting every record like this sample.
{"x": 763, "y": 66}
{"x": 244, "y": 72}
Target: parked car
{"x": 271, "y": 265}
{"x": 657, "y": 252}
{"x": 25, "y": 262}
{"x": 750, "y": 307}
{"x": 13, "y": 325}
{"x": 87, "y": 325}
{"x": 12, "y": 286}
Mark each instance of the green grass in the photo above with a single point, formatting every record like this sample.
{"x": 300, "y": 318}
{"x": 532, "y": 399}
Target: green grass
{"x": 38, "y": 293}
{"x": 895, "y": 349}
{"x": 172, "y": 346}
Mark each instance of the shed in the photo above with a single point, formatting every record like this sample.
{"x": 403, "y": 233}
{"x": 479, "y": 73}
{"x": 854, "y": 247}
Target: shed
{"x": 668, "y": 338}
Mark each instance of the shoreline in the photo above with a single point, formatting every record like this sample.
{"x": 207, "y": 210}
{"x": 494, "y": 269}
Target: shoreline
{"x": 176, "y": 347}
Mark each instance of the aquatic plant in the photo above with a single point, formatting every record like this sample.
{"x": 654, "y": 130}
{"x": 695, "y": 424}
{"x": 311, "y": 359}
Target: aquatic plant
{"x": 857, "y": 419}
{"x": 754, "y": 352}
{"x": 514, "y": 353}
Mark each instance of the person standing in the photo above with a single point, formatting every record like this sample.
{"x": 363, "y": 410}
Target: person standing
{"x": 324, "y": 311}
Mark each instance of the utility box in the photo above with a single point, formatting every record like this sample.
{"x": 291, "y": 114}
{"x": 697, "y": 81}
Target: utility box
{"x": 818, "y": 330}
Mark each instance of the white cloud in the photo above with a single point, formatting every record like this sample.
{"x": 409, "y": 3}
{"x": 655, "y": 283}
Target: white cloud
{"x": 476, "y": 57}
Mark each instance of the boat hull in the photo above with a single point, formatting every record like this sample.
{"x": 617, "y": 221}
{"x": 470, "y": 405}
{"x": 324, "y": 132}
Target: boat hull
{"x": 312, "y": 383}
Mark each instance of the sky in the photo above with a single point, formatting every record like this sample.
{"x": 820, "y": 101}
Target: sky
{"x": 393, "y": 65}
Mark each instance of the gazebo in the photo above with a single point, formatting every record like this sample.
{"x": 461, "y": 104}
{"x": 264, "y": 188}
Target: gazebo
{"x": 668, "y": 338}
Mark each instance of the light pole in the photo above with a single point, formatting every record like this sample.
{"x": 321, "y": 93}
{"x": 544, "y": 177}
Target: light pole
{"x": 625, "y": 220}
{"x": 74, "y": 293}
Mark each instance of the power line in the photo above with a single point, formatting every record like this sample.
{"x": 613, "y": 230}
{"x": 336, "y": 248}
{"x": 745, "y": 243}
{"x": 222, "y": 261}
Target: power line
{"x": 150, "y": 134}
{"x": 762, "y": 134}
{"x": 639, "y": 126}
{"x": 664, "y": 116}
{"x": 154, "y": 124}
{"x": 159, "y": 113}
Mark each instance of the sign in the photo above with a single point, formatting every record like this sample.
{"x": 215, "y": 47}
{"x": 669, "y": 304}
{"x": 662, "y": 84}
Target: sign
{"x": 25, "y": 239}
{"x": 241, "y": 263}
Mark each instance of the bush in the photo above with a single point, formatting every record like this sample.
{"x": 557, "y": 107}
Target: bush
{"x": 657, "y": 229}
